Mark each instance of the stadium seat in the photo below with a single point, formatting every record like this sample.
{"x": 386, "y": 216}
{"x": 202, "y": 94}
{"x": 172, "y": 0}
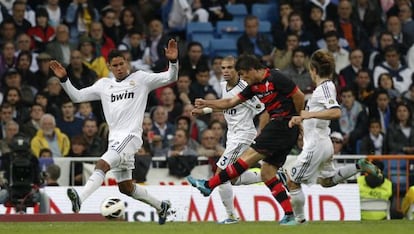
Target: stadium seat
{"x": 204, "y": 39}
{"x": 376, "y": 205}
{"x": 265, "y": 27}
{"x": 229, "y": 29}
{"x": 223, "y": 47}
{"x": 238, "y": 11}
{"x": 200, "y": 28}
{"x": 269, "y": 11}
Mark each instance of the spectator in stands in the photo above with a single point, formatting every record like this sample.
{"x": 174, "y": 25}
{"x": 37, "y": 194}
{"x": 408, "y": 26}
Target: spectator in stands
{"x": 52, "y": 175}
{"x": 200, "y": 87}
{"x": 347, "y": 75}
{"x": 11, "y": 129}
{"x": 156, "y": 42}
{"x": 315, "y": 22}
{"x": 49, "y": 136}
{"x": 363, "y": 88}
{"x": 340, "y": 54}
{"x": 405, "y": 14}
{"x": 368, "y": 15}
{"x": 77, "y": 149}
{"x": 353, "y": 123}
{"x": 210, "y": 147}
{"x": 60, "y": 49}
{"x": 282, "y": 25}
{"x": 43, "y": 73}
{"x": 194, "y": 59}
{"x": 168, "y": 100}
{"x": 68, "y": 123}
{"x": 298, "y": 71}
{"x": 30, "y": 127}
{"x": 85, "y": 111}
{"x": 216, "y": 10}
{"x": 23, "y": 63}
{"x": 403, "y": 40}
{"x": 6, "y": 114}
{"x": 55, "y": 96}
{"x": 401, "y": 74}
{"x": 7, "y": 59}
{"x": 95, "y": 63}
{"x": 17, "y": 15}
{"x": 328, "y": 7}
{"x": 55, "y": 12}
{"x": 20, "y": 109}
{"x": 41, "y": 33}
{"x": 216, "y": 75}
{"x": 283, "y": 57}
{"x": 200, "y": 14}
{"x": 13, "y": 79}
{"x": 184, "y": 122}
{"x": 382, "y": 109}
{"x": 219, "y": 130}
{"x": 400, "y": 133}
{"x": 3, "y": 12}
{"x": 408, "y": 98}
{"x": 24, "y": 44}
{"x": 371, "y": 187}
{"x": 79, "y": 16}
{"x": 181, "y": 158}
{"x": 377, "y": 56}
{"x": 350, "y": 28}
{"x": 139, "y": 56}
{"x": 8, "y": 32}
{"x": 182, "y": 88}
{"x": 95, "y": 144}
{"x": 327, "y": 26}
{"x": 197, "y": 126}
{"x": 103, "y": 44}
{"x": 117, "y": 6}
{"x": 163, "y": 130}
{"x": 373, "y": 143}
{"x": 386, "y": 82}
{"x": 254, "y": 42}
{"x": 45, "y": 153}
{"x": 179, "y": 15}
{"x": 130, "y": 20}
{"x": 108, "y": 19}
{"x": 80, "y": 75}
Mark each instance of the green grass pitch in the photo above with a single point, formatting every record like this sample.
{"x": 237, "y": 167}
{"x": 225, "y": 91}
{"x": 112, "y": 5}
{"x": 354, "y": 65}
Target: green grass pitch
{"x": 112, "y": 227}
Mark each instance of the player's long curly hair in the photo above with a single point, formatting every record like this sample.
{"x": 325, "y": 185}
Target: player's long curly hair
{"x": 323, "y": 62}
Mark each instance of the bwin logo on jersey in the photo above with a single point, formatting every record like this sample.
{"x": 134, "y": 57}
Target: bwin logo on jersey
{"x": 230, "y": 111}
{"x": 121, "y": 96}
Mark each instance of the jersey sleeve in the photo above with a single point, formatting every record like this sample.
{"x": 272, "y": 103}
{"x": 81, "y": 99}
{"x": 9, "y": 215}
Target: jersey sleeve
{"x": 91, "y": 93}
{"x": 254, "y": 104}
{"x": 283, "y": 84}
{"x": 156, "y": 80}
{"x": 326, "y": 95}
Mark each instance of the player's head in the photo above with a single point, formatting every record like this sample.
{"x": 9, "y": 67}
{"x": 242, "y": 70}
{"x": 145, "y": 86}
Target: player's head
{"x": 228, "y": 68}
{"x": 247, "y": 66}
{"x": 118, "y": 64}
{"x": 322, "y": 64}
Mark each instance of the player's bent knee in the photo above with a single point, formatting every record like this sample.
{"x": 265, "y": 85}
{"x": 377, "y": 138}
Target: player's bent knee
{"x": 126, "y": 188}
{"x": 326, "y": 182}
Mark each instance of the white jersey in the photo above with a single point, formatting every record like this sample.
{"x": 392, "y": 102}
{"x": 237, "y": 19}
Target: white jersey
{"x": 123, "y": 102}
{"x": 323, "y": 97}
{"x": 240, "y": 118}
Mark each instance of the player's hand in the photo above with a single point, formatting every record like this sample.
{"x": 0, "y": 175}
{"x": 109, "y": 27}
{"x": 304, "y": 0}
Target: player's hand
{"x": 306, "y": 114}
{"x": 58, "y": 69}
{"x": 197, "y": 112}
{"x": 200, "y": 103}
{"x": 171, "y": 52}
{"x": 295, "y": 120}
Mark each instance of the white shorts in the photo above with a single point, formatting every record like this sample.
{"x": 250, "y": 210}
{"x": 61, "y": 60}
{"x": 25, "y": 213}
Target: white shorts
{"x": 121, "y": 156}
{"x": 313, "y": 163}
{"x": 232, "y": 152}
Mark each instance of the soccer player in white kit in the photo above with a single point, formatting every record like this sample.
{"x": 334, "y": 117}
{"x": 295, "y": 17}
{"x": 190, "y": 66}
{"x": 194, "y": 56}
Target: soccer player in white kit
{"x": 315, "y": 164}
{"x": 241, "y": 132}
{"x": 123, "y": 100}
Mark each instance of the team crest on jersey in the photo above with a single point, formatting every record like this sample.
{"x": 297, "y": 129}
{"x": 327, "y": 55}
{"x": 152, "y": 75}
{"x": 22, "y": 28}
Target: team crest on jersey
{"x": 132, "y": 83}
{"x": 331, "y": 101}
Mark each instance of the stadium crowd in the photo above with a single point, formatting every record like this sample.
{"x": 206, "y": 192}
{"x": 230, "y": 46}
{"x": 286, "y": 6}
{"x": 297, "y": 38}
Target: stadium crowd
{"x": 372, "y": 42}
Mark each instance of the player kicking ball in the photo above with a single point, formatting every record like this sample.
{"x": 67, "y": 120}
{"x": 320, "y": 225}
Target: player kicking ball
{"x": 123, "y": 100}
{"x": 315, "y": 163}
{"x": 282, "y": 99}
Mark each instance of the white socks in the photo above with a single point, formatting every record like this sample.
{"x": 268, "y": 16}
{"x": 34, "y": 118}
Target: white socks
{"x": 141, "y": 194}
{"x": 226, "y": 194}
{"x": 248, "y": 177}
{"x": 344, "y": 173}
{"x": 297, "y": 199}
{"x": 93, "y": 183}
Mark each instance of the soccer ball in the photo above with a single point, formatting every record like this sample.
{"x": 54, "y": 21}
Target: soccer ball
{"x": 113, "y": 208}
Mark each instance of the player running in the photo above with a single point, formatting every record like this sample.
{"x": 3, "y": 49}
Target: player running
{"x": 240, "y": 133}
{"x": 123, "y": 100}
{"x": 315, "y": 163}
{"x": 282, "y": 99}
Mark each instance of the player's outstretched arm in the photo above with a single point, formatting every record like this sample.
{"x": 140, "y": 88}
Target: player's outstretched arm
{"x": 58, "y": 69}
{"x": 218, "y": 104}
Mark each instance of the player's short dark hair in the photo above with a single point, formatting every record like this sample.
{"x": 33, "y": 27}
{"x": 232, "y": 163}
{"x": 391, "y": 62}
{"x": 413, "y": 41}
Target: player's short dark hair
{"x": 115, "y": 53}
{"x": 246, "y": 62}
